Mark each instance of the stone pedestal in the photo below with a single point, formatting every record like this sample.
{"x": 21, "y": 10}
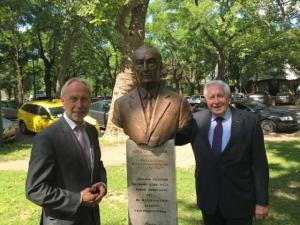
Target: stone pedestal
{"x": 151, "y": 181}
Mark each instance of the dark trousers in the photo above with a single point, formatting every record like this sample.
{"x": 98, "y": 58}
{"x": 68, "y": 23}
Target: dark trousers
{"x": 218, "y": 219}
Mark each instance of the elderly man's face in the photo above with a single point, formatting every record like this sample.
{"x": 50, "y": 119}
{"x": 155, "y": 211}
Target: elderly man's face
{"x": 147, "y": 65}
{"x": 217, "y": 100}
{"x": 76, "y": 101}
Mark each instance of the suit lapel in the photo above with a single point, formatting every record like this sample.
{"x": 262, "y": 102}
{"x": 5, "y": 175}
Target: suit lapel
{"x": 236, "y": 123}
{"x": 92, "y": 145}
{"x": 72, "y": 144}
{"x": 162, "y": 103}
{"x": 206, "y": 127}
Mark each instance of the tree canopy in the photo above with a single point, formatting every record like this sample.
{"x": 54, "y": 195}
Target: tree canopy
{"x": 43, "y": 43}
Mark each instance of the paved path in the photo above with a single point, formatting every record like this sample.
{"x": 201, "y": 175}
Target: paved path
{"x": 116, "y": 154}
{"x": 113, "y": 155}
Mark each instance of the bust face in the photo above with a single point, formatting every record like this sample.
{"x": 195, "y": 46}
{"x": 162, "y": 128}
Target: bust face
{"x": 148, "y": 66}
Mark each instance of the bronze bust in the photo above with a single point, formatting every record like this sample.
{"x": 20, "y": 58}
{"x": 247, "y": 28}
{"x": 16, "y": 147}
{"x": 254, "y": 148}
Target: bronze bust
{"x": 150, "y": 114}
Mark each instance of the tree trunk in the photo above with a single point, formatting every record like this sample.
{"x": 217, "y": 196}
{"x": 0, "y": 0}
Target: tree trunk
{"x": 66, "y": 57}
{"x": 221, "y": 64}
{"x": 1, "y": 129}
{"x": 48, "y": 63}
{"x": 131, "y": 38}
{"x": 47, "y": 81}
{"x": 19, "y": 70}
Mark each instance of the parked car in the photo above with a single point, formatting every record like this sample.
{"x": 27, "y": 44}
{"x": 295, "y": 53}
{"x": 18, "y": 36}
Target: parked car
{"x": 9, "y": 131}
{"x": 99, "y": 111}
{"x": 284, "y": 98}
{"x": 197, "y": 102}
{"x": 9, "y": 109}
{"x": 198, "y": 106}
{"x": 95, "y": 99}
{"x": 34, "y": 116}
{"x": 238, "y": 97}
{"x": 272, "y": 119}
{"x": 195, "y": 99}
{"x": 261, "y": 96}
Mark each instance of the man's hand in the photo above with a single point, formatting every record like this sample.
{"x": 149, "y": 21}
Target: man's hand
{"x": 88, "y": 198}
{"x": 93, "y": 195}
{"x": 100, "y": 189}
{"x": 261, "y": 212}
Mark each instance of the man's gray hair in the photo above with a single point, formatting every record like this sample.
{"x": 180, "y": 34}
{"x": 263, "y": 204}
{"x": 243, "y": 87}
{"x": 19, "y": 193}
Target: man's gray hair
{"x": 72, "y": 80}
{"x": 221, "y": 83}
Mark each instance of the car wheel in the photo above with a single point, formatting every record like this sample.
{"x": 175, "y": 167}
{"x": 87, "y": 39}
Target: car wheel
{"x": 268, "y": 126}
{"x": 23, "y": 128}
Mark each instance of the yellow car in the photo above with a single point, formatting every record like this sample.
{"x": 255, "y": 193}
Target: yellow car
{"x": 34, "y": 116}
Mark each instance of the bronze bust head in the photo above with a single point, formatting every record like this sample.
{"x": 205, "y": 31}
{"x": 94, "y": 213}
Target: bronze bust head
{"x": 148, "y": 65}
{"x": 168, "y": 110}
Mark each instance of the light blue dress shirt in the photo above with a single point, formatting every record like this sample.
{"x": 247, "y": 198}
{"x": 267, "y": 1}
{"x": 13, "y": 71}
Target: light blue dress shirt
{"x": 226, "y": 123}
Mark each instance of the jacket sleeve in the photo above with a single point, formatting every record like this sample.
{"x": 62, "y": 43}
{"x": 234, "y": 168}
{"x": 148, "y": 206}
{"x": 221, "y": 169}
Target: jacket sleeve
{"x": 39, "y": 183}
{"x": 99, "y": 166}
{"x": 260, "y": 166}
{"x": 185, "y": 134}
{"x": 185, "y": 113}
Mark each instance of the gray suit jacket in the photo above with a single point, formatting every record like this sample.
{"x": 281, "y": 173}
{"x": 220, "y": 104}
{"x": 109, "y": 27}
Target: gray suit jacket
{"x": 238, "y": 179}
{"x": 58, "y": 173}
{"x": 171, "y": 111}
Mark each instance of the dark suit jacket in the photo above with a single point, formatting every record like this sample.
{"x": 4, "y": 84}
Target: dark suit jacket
{"x": 238, "y": 179}
{"x": 58, "y": 173}
{"x": 171, "y": 111}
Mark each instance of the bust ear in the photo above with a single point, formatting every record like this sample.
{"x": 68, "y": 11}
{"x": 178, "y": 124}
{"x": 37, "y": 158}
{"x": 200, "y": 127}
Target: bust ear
{"x": 160, "y": 68}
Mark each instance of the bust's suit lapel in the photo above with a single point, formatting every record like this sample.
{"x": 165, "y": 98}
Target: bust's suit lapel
{"x": 161, "y": 105}
{"x": 135, "y": 106}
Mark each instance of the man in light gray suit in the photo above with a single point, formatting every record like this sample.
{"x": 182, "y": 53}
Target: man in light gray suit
{"x": 66, "y": 176}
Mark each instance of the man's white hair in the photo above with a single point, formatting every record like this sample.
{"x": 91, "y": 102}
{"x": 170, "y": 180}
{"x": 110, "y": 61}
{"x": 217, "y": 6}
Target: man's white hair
{"x": 75, "y": 79}
{"x": 221, "y": 83}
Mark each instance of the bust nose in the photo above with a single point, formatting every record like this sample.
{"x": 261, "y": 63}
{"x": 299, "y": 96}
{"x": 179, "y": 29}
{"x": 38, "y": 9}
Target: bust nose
{"x": 145, "y": 66}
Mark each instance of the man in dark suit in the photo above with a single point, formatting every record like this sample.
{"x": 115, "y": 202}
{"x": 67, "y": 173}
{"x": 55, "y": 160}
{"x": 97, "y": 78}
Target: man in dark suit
{"x": 231, "y": 164}
{"x": 150, "y": 114}
{"x": 66, "y": 176}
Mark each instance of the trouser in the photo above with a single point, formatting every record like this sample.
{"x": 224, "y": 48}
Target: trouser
{"x": 218, "y": 219}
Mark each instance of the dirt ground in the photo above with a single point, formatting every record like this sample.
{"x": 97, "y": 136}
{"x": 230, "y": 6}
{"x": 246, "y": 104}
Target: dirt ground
{"x": 113, "y": 155}
{"x": 116, "y": 154}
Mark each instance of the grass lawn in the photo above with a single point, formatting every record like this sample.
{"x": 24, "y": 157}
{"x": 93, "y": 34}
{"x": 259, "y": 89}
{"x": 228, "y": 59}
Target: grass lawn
{"x": 284, "y": 161}
{"x": 14, "y": 151}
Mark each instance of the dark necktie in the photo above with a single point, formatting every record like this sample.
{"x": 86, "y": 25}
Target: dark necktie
{"x": 217, "y": 137}
{"x": 84, "y": 146}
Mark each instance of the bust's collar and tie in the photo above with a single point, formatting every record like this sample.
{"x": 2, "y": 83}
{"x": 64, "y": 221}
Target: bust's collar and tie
{"x": 148, "y": 94}
{"x": 148, "y": 98}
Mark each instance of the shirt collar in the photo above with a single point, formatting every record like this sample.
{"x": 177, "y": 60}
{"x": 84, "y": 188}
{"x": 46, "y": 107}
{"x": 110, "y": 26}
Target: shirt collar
{"x": 70, "y": 122}
{"x": 226, "y": 116}
{"x": 143, "y": 92}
